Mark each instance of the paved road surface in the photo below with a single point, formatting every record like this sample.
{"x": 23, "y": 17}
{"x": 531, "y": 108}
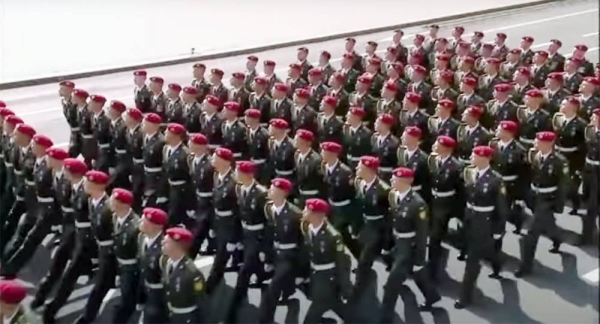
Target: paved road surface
{"x": 564, "y": 288}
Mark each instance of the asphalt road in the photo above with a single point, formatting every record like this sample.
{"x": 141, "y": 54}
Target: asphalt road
{"x": 564, "y": 287}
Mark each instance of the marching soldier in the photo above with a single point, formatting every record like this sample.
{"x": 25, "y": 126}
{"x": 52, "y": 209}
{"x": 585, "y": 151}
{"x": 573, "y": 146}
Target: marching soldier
{"x": 234, "y": 131}
{"x": 570, "y": 143}
{"x": 470, "y": 134}
{"x": 489, "y": 79}
{"x": 309, "y": 179}
{"x": 69, "y": 108}
{"x": 135, "y": 154}
{"x": 532, "y": 118}
{"x": 467, "y": 96}
{"x": 336, "y": 89}
{"x": 122, "y": 160}
{"x": 126, "y": 233}
{"x": 329, "y": 126}
{"x": 285, "y": 219}
{"x": 12, "y": 310}
{"x": 484, "y": 220}
{"x": 410, "y": 231}
{"x": 88, "y": 143}
{"x": 305, "y": 65}
{"x": 417, "y": 84}
{"x": 356, "y": 137}
{"x": 184, "y": 283}
{"x": 432, "y": 36}
{"x": 389, "y": 58}
{"x": 443, "y": 88}
{"x": 442, "y": 63}
{"x": 295, "y": 80}
{"x": 448, "y": 197}
{"x": 238, "y": 92}
{"x": 362, "y": 98}
{"x": 141, "y": 93}
{"x": 281, "y": 105}
{"x": 554, "y": 93}
{"x": 192, "y": 110}
{"x": 476, "y": 41}
{"x": 177, "y": 174}
{"x": 591, "y": 172}
{"x": 258, "y": 145}
{"x": 199, "y": 82}
{"x": 556, "y": 61}
{"x": 385, "y": 145}
{"x": 464, "y": 51}
{"x": 484, "y": 54}
{"x": 412, "y": 157}
{"x": 211, "y": 121}
{"x": 350, "y": 72}
{"x": 325, "y": 66}
{"x": 466, "y": 68}
{"x": 586, "y": 68}
{"x": 410, "y": 115}
{"x": 548, "y": 193}
{"x": 202, "y": 176}
{"x": 509, "y": 67}
{"x": 373, "y": 70}
{"x": 159, "y": 100}
{"x": 174, "y": 111}
{"x": 400, "y": 50}
{"x": 370, "y": 52}
{"x": 439, "y": 48}
{"x": 456, "y": 40}
{"x": 104, "y": 155}
{"x": 540, "y": 69}
{"x": 443, "y": 123}
{"x": 217, "y": 88}
{"x": 317, "y": 88}
{"x": 510, "y": 161}
{"x": 281, "y": 150}
{"x": 572, "y": 79}
{"x": 522, "y": 78}
{"x": 588, "y": 97}
{"x": 8, "y": 152}
{"x": 387, "y": 104}
{"x": 418, "y": 51}
{"x": 526, "y": 52}
{"x": 500, "y": 108}
{"x": 500, "y": 50}
{"x": 251, "y": 73}
{"x": 269, "y": 75}
{"x": 152, "y": 295}
{"x": 154, "y": 142}
{"x": 394, "y": 76}
{"x": 260, "y": 99}
{"x": 303, "y": 115}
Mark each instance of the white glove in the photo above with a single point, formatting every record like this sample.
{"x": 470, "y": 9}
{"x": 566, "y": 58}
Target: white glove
{"x": 191, "y": 213}
{"x": 130, "y": 178}
{"x": 459, "y": 223}
{"x": 139, "y": 307}
{"x": 497, "y": 236}
{"x": 111, "y": 171}
{"x": 417, "y": 268}
{"x": 230, "y": 247}
{"x": 161, "y": 200}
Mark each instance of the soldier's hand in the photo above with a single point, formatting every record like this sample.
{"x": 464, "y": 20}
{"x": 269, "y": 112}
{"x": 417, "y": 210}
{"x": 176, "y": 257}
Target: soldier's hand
{"x": 417, "y": 268}
{"x": 139, "y": 307}
{"x": 497, "y": 236}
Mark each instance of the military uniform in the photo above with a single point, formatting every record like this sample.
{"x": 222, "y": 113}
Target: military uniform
{"x": 23, "y": 316}
{"x": 554, "y": 100}
{"x": 385, "y": 149}
{"x": 159, "y": 104}
{"x": 519, "y": 92}
{"x": 588, "y": 105}
{"x": 304, "y": 118}
{"x": 401, "y": 85}
{"x": 281, "y": 109}
{"x": 193, "y": 112}
{"x": 122, "y": 158}
{"x": 417, "y": 161}
{"x": 281, "y": 158}
{"x": 261, "y": 102}
{"x": 203, "y": 88}
{"x": 500, "y": 52}
{"x": 357, "y": 143}
{"x": 424, "y": 90}
{"x": 249, "y": 80}
{"x": 377, "y": 84}
{"x": 556, "y": 62}
{"x": 126, "y": 252}
{"x": 294, "y": 84}
{"x": 316, "y": 94}
{"x": 7, "y": 223}
{"x": 202, "y": 176}
{"x": 526, "y": 58}
{"x": 211, "y": 127}
{"x": 572, "y": 82}
{"x": 235, "y": 138}
{"x": 531, "y": 124}
{"x": 153, "y": 184}
{"x": 463, "y": 101}
{"x": 437, "y": 127}
{"x": 241, "y": 96}
{"x": 185, "y": 289}
{"x": 329, "y": 129}
{"x": 351, "y": 77}
{"x": 486, "y": 84}
{"x": 70, "y": 113}
{"x": 89, "y": 146}
{"x": 496, "y": 111}
{"x": 366, "y": 102}
{"x": 467, "y": 139}
{"x": 437, "y": 94}
{"x": 392, "y": 107}
{"x": 152, "y": 293}
{"x": 419, "y": 119}
{"x": 590, "y": 186}
{"x": 175, "y": 112}
{"x": 327, "y": 72}
{"x": 135, "y": 150}
{"x": 273, "y": 79}
{"x": 586, "y": 68}
{"x": 309, "y": 179}
{"x": 539, "y": 74}
{"x": 143, "y": 98}
{"x": 104, "y": 160}
{"x": 181, "y": 193}
{"x": 258, "y": 152}
{"x": 221, "y": 92}
{"x": 507, "y": 70}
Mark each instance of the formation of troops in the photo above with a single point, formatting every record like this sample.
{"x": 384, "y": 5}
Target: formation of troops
{"x": 282, "y": 179}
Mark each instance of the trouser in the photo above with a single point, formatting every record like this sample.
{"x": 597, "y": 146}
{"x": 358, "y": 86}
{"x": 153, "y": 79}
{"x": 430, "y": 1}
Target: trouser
{"x": 137, "y": 186}
{"x": 324, "y": 294}
{"x": 129, "y": 277}
{"x": 10, "y": 223}
{"x": 251, "y": 265}
{"x": 282, "y": 283}
{"x": 348, "y": 222}
{"x": 103, "y": 282}
{"x": 180, "y": 203}
{"x": 372, "y": 239}
{"x": 7, "y": 200}
{"x": 591, "y": 191}
{"x": 441, "y": 215}
{"x": 202, "y": 229}
{"x": 74, "y": 144}
{"x": 155, "y": 307}
{"x": 152, "y": 199}
{"x": 191, "y": 317}
{"x": 226, "y": 246}
{"x": 544, "y": 222}
{"x": 514, "y": 200}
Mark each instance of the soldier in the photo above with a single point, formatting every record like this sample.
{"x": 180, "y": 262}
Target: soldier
{"x": 88, "y": 143}
{"x": 410, "y": 115}
{"x": 238, "y": 93}
{"x": 280, "y": 106}
{"x": 413, "y": 60}
{"x": 329, "y": 126}
{"x": 356, "y": 137}
{"x": 317, "y": 89}
{"x": 258, "y": 145}
{"x": 177, "y": 175}
{"x": 388, "y": 104}
{"x": 251, "y": 73}
{"x": 457, "y": 33}
{"x": 141, "y": 93}
{"x": 467, "y": 96}
{"x": 548, "y": 193}
{"x": 570, "y": 142}
{"x": 336, "y": 89}
{"x": 234, "y": 131}
{"x": 432, "y": 36}
{"x": 510, "y": 161}
{"x": 362, "y": 98}
{"x": 217, "y": 88}
{"x": 69, "y": 108}
{"x": 251, "y": 199}
{"x": 199, "y": 82}
{"x": 269, "y": 75}
{"x": 8, "y": 177}
{"x": 572, "y": 79}
{"x": 521, "y": 78}
{"x": 442, "y": 63}
{"x": 410, "y": 231}
{"x": 389, "y": 58}
{"x": 588, "y": 97}
{"x": 192, "y": 110}
{"x": 12, "y": 310}
{"x": 284, "y": 218}
{"x": 370, "y": 52}
{"x": 226, "y": 217}
{"x": 412, "y": 157}
{"x": 439, "y": 49}
{"x": 443, "y": 123}
{"x": 443, "y": 88}
{"x": 303, "y": 115}
{"x": 556, "y": 61}
{"x": 135, "y": 157}
{"x": 486, "y": 82}
{"x": 500, "y": 49}
{"x": 417, "y": 84}
{"x": 153, "y": 146}
{"x": 532, "y": 118}
{"x": 476, "y": 41}
{"x": 102, "y": 227}
{"x": 526, "y": 52}
{"x": 373, "y": 70}
{"x": 295, "y": 80}
{"x": 540, "y": 69}
{"x": 470, "y": 134}
{"x": 512, "y": 63}
{"x": 103, "y": 158}
{"x": 447, "y": 189}
{"x": 554, "y": 93}
{"x": 586, "y": 68}
{"x": 500, "y": 108}
{"x": 590, "y": 186}
{"x": 159, "y": 100}
{"x": 122, "y": 158}
{"x": 211, "y": 121}
{"x": 399, "y": 49}
{"x": 464, "y": 51}
{"x": 174, "y": 111}
{"x": 325, "y": 66}
{"x": 305, "y": 66}
{"x": 418, "y": 51}
{"x": 152, "y": 294}
{"x": 202, "y": 176}
{"x": 484, "y": 54}
{"x": 385, "y": 145}
{"x": 281, "y": 150}
{"x": 484, "y": 220}
{"x": 349, "y": 71}
{"x": 260, "y": 99}
{"x": 374, "y": 236}
{"x": 309, "y": 179}
{"x": 394, "y": 76}
{"x": 184, "y": 283}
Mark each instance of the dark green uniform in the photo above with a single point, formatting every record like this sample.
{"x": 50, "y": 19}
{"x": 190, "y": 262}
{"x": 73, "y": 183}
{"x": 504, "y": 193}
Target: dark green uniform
{"x": 392, "y": 107}
{"x": 122, "y": 160}
{"x": 153, "y": 182}
{"x": 438, "y": 127}
{"x": 437, "y": 94}
{"x": 467, "y": 139}
{"x": 304, "y": 117}
{"x": 211, "y": 127}
{"x": 554, "y": 100}
{"x": 89, "y": 146}
{"x": 261, "y": 102}
{"x": 572, "y": 82}
{"x": 192, "y": 112}
{"x": 419, "y": 119}
{"x": 377, "y": 85}
{"x": 241, "y": 96}
{"x": 282, "y": 161}
{"x": 174, "y": 112}
{"x": 539, "y": 74}
{"x": 588, "y": 105}
{"x": 424, "y": 89}
{"x": 295, "y": 84}
{"x": 258, "y": 152}
{"x": 185, "y": 289}
{"x": 221, "y": 92}
{"x": 532, "y": 123}
{"x": 366, "y": 102}
{"x": 9, "y": 152}
{"x": 465, "y": 100}
{"x": 499, "y": 111}
{"x": 591, "y": 187}
{"x": 203, "y": 87}
{"x": 357, "y": 143}
{"x": 126, "y": 235}
{"x": 351, "y": 78}
{"x": 159, "y": 104}
{"x": 343, "y": 100}
{"x": 234, "y": 138}
{"x": 385, "y": 148}
{"x": 281, "y": 109}
{"x": 249, "y": 79}
{"x": 309, "y": 179}
{"x": 329, "y": 128}
{"x": 518, "y": 94}
{"x": 143, "y": 98}
{"x": 202, "y": 177}
{"x": 556, "y": 63}
{"x": 486, "y": 84}
{"x": 70, "y": 112}
{"x": 417, "y": 161}
{"x": 135, "y": 158}
{"x": 507, "y": 70}
{"x": 105, "y": 157}
{"x": 316, "y": 94}
{"x": 152, "y": 293}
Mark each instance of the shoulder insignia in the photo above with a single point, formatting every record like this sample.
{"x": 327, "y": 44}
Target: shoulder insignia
{"x": 485, "y": 130}
{"x": 403, "y": 117}
{"x": 268, "y": 209}
{"x": 469, "y": 174}
{"x": 522, "y": 114}
{"x": 542, "y": 111}
{"x": 198, "y": 284}
{"x": 345, "y": 167}
{"x": 238, "y": 190}
{"x": 339, "y": 118}
{"x": 384, "y": 185}
{"x": 532, "y": 156}
{"x": 271, "y": 143}
{"x": 261, "y": 188}
{"x": 423, "y": 212}
{"x": 558, "y": 120}
{"x": 357, "y": 184}
{"x": 431, "y": 162}
{"x": 401, "y": 155}
{"x": 589, "y": 133}
{"x": 494, "y": 143}
{"x": 392, "y": 198}
{"x": 461, "y": 132}
{"x": 304, "y": 228}
{"x": 432, "y": 124}
{"x": 295, "y": 208}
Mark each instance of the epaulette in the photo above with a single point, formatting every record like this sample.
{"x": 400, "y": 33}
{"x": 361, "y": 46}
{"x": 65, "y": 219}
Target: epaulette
{"x": 345, "y": 167}
{"x": 431, "y": 161}
{"x": 532, "y": 156}
{"x": 543, "y": 111}
{"x": 384, "y": 185}
{"x": 191, "y": 266}
{"x": 520, "y": 146}
{"x": 261, "y": 188}
{"x": 461, "y": 132}
{"x": 494, "y": 143}
{"x": 357, "y": 184}
{"x": 558, "y": 121}
{"x": 590, "y": 133}
{"x": 432, "y": 123}
{"x": 332, "y": 229}
{"x": 294, "y": 208}
{"x": 469, "y": 174}
{"x": 323, "y": 167}
{"x": 162, "y": 262}
{"x": 497, "y": 174}
{"x": 238, "y": 190}
{"x": 522, "y": 113}
{"x": 304, "y": 228}
{"x": 392, "y": 198}
{"x": 268, "y": 209}
{"x": 271, "y": 142}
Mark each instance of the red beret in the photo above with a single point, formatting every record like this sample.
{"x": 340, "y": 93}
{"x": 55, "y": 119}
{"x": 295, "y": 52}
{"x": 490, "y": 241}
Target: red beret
{"x": 98, "y": 99}
{"x": 217, "y": 72}
{"x": 501, "y": 35}
{"x": 442, "y": 57}
{"x": 375, "y": 61}
{"x": 135, "y": 114}
{"x": 153, "y": 118}
{"x": 543, "y": 54}
{"x": 502, "y": 87}
{"x": 302, "y": 93}
{"x": 403, "y": 172}
{"x": 199, "y": 66}
{"x": 447, "y": 75}
{"x": 180, "y": 235}
{"x": 358, "y": 112}
{"x": 371, "y": 162}
{"x": 348, "y": 56}
{"x": 365, "y": 78}
{"x": 332, "y": 147}
{"x": 245, "y": 167}
{"x": 528, "y": 39}
{"x": 315, "y": 72}
{"x": 493, "y": 60}
{"x": 524, "y": 71}
{"x": 317, "y": 205}
{"x": 483, "y": 151}
{"x": 118, "y": 106}
{"x": 238, "y": 75}
{"x": 592, "y": 80}
{"x": 581, "y": 47}
{"x": 80, "y": 93}
{"x": 413, "y": 131}
{"x": 199, "y": 139}
{"x": 597, "y": 112}
{"x": 2, "y": 104}
{"x": 351, "y": 39}
{"x": 157, "y": 80}
{"x": 516, "y": 51}
{"x": 25, "y": 130}
{"x": 413, "y": 97}
{"x": 269, "y": 63}
{"x": 232, "y": 106}
{"x": 176, "y": 129}
{"x": 419, "y": 37}
{"x": 556, "y": 41}
{"x": 57, "y": 153}
{"x": 75, "y": 166}
{"x": 261, "y": 80}
{"x": 545, "y": 136}
{"x": 140, "y": 73}
{"x": 474, "y": 111}
{"x": 487, "y": 46}
{"x": 252, "y": 58}
{"x": 372, "y": 43}
{"x": 446, "y": 103}
{"x": 252, "y": 113}
{"x": 464, "y": 45}
{"x": 478, "y": 34}
{"x": 330, "y": 100}
{"x": 446, "y": 141}
{"x": 386, "y": 119}
{"x": 212, "y": 100}
{"x": 281, "y": 87}
{"x": 279, "y": 123}
{"x": 123, "y": 196}
{"x": 442, "y": 40}
{"x": 557, "y": 76}
{"x": 97, "y": 177}
{"x": 67, "y": 83}
{"x": 303, "y": 49}
{"x": 469, "y": 81}
{"x": 5, "y": 112}
{"x": 534, "y": 93}
{"x": 326, "y": 54}
{"x": 468, "y": 59}
{"x": 305, "y": 135}
{"x": 459, "y": 29}
{"x": 224, "y": 153}
{"x": 42, "y": 140}
{"x": 573, "y": 101}
{"x": 155, "y": 216}
{"x": 391, "y": 86}
{"x": 282, "y": 183}
{"x": 12, "y": 292}
{"x": 175, "y": 87}
{"x": 398, "y": 66}
{"x": 190, "y": 90}
{"x": 419, "y": 69}
{"x": 509, "y": 126}
{"x": 12, "y": 119}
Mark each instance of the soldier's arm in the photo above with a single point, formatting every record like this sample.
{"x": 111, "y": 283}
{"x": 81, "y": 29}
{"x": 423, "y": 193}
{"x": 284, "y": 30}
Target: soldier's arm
{"x": 502, "y": 209}
{"x": 343, "y": 266}
{"x": 422, "y": 237}
{"x": 562, "y": 167}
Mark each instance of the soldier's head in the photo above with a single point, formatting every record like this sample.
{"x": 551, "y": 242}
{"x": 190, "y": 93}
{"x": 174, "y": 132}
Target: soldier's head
{"x": 373, "y": 66}
{"x": 10, "y": 124}
{"x": 389, "y": 91}
{"x": 572, "y": 64}
{"x": 526, "y": 42}
{"x": 444, "y": 79}
{"x": 251, "y": 62}
{"x": 315, "y": 210}
{"x": 198, "y": 71}
{"x": 442, "y": 61}
{"x": 280, "y": 91}
{"x": 500, "y": 39}
{"x": 463, "y": 49}
{"x": 444, "y": 145}
{"x": 492, "y": 65}
{"x": 468, "y": 84}
{"x": 328, "y": 104}
{"x": 384, "y": 124}
{"x": 303, "y": 140}
{"x": 237, "y": 79}
{"x": 121, "y": 201}
{"x": 280, "y": 188}
{"x": 412, "y": 101}
{"x": 116, "y": 109}
{"x": 222, "y": 159}
{"x": 554, "y": 81}
{"x": 174, "y": 134}
{"x": 441, "y": 44}
{"x": 216, "y": 76}
{"x": 569, "y": 106}
{"x": 507, "y": 129}
{"x": 74, "y": 169}
{"x": 364, "y": 82}
{"x": 252, "y": 118}
{"x": 4, "y": 113}
{"x": 65, "y": 88}
{"x": 39, "y": 144}
{"x": 96, "y": 103}
{"x": 477, "y": 37}
{"x": 596, "y": 118}
{"x": 244, "y": 172}
{"x": 153, "y": 221}
{"x": 294, "y": 71}
{"x": 151, "y": 124}
{"x": 514, "y": 55}
{"x": 139, "y": 78}
{"x": 56, "y": 157}
{"x": 554, "y": 46}
{"x": 12, "y": 293}
{"x": 402, "y": 178}
{"x": 210, "y": 104}
{"x": 502, "y": 91}
{"x": 231, "y": 110}
{"x": 367, "y": 167}
{"x": 540, "y": 57}
{"x": 133, "y": 117}
{"x": 301, "y": 96}
{"x": 433, "y": 30}
{"x": 173, "y": 91}
{"x": 330, "y": 151}
{"x": 95, "y": 183}
{"x": 23, "y": 134}
{"x": 444, "y": 108}
{"x": 398, "y": 34}
{"x": 347, "y": 60}
{"x": 418, "y": 74}
{"x": 579, "y": 51}
{"x": 481, "y": 156}
{"x": 471, "y": 115}
{"x": 156, "y": 84}
{"x": 176, "y": 242}
{"x": 418, "y": 40}
{"x": 411, "y": 137}
{"x": 589, "y": 85}
{"x": 315, "y": 76}
{"x": 302, "y": 54}
{"x": 324, "y": 58}
{"x": 390, "y": 54}
{"x": 534, "y": 98}
{"x": 198, "y": 144}
{"x": 458, "y": 31}
{"x": 350, "y": 43}
{"x": 355, "y": 116}
{"x": 544, "y": 141}
{"x": 395, "y": 70}
{"x": 278, "y": 128}
{"x": 522, "y": 76}
{"x": 260, "y": 84}
{"x": 269, "y": 67}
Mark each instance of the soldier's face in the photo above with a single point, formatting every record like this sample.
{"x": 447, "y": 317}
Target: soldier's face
{"x": 139, "y": 80}
{"x": 349, "y": 46}
{"x": 586, "y": 87}
{"x": 268, "y": 69}
{"x": 168, "y": 246}
{"x": 198, "y": 73}
{"x": 88, "y": 186}
{"x": 301, "y": 55}
{"x": 552, "y": 48}
{"x": 433, "y": 32}
{"x": 435, "y": 148}
{"x": 250, "y": 65}
{"x": 571, "y": 66}
{"x": 360, "y": 170}
{"x": 323, "y": 60}
{"x": 65, "y": 91}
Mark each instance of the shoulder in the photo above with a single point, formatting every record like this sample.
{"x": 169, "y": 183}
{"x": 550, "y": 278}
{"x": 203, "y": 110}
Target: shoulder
{"x": 294, "y": 208}
{"x": 384, "y": 185}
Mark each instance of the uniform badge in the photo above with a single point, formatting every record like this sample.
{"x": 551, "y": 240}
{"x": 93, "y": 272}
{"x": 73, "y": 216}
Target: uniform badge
{"x": 198, "y": 286}
{"x": 322, "y": 246}
{"x": 565, "y": 170}
{"x": 423, "y": 214}
{"x": 503, "y": 190}
{"x": 178, "y": 284}
{"x": 404, "y": 214}
{"x": 340, "y": 246}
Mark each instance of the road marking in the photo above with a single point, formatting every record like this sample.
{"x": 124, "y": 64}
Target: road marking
{"x": 590, "y": 34}
{"x": 592, "y": 276}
